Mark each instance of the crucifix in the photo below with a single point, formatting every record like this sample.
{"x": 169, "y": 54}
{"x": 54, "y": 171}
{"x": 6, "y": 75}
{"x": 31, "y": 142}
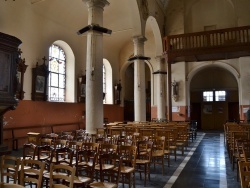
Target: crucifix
{"x": 44, "y": 59}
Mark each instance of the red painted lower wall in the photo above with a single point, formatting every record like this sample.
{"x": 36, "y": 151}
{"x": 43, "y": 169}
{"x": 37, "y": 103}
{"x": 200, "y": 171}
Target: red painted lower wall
{"x": 38, "y": 113}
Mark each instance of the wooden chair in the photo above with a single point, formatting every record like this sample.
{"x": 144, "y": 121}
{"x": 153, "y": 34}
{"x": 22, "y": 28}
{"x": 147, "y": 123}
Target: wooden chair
{"x": 244, "y": 171}
{"x": 143, "y": 161}
{"x": 129, "y": 154}
{"x": 158, "y": 151}
{"x": 9, "y": 168}
{"x": 85, "y": 167}
{"x": 109, "y": 177}
{"x": 61, "y": 176}
{"x": 29, "y": 151}
{"x": 64, "y": 156}
{"x": 32, "y": 175}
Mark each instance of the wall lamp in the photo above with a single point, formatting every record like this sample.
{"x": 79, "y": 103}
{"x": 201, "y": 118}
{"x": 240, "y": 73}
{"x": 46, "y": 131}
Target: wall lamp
{"x": 94, "y": 27}
{"x": 138, "y": 57}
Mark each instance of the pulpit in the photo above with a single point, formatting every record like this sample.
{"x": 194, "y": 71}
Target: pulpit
{"x": 9, "y": 58}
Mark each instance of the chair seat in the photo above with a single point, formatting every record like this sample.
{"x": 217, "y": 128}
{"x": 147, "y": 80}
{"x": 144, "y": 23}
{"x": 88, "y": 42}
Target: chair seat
{"x": 167, "y": 151}
{"x": 81, "y": 179}
{"x": 126, "y": 169}
{"x": 102, "y": 185}
{"x": 105, "y": 166}
{"x": 142, "y": 161}
{"x": 157, "y": 153}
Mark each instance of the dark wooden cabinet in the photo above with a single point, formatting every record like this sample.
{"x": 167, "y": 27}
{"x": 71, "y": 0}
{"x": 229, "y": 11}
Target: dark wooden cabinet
{"x": 9, "y": 58}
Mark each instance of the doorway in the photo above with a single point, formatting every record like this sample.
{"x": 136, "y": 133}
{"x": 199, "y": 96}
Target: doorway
{"x": 212, "y": 110}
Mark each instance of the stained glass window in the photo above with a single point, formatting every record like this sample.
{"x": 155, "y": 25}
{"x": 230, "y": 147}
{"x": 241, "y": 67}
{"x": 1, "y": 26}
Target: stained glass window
{"x": 104, "y": 83}
{"x": 57, "y": 74}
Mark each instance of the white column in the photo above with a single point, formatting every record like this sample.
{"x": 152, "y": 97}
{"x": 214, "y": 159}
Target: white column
{"x": 160, "y": 89}
{"x": 139, "y": 80}
{"x": 94, "y": 67}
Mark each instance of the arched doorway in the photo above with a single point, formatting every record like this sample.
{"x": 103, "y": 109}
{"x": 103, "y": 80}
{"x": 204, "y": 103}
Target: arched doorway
{"x": 214, "y": 98}
{"x": 129, "y": 93}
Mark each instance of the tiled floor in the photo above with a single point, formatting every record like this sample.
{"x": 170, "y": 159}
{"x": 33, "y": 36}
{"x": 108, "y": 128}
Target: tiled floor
{"x": 204, "y": 165}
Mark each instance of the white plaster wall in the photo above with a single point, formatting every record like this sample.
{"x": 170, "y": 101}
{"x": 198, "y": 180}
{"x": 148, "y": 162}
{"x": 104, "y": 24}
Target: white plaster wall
{"x": 199, "y": 14}
{"x": 178, "y": 74}
{"x": 37, "y": 34}
{"x": 242, "y": 12}
{"x": 175, "y": 17}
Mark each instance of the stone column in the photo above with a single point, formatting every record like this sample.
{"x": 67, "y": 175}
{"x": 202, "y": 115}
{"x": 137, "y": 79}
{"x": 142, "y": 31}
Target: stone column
{"x": 161, "y": 89}
{"x": 139, "y": 80}
{"x": 94, "y": 67}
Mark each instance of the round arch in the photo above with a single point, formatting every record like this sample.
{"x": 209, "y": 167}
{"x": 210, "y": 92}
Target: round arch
{"x": 197, "y": 69}
{"x": 122, "y": 73}
{"x": 70, "y": 95}
{"x": 157, "y": 35}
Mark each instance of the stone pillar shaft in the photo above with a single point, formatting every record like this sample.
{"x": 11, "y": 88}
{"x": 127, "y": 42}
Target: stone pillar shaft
{"x": 160, "y": 90}
{"x": 139, "y": 80}
{"x": 94, "y": 67}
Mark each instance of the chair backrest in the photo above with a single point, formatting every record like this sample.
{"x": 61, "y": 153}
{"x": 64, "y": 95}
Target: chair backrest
{"x": 144, "y": 149}
{"x": 108, "y": 148}
{"x": 244, "y": 171}
{"x": 46, "y": 141}
{"x": 9, "y": 168}
{"x": 59, "y": 143}
{"x": 90, "y": 146}
{"x": 129, "y": 154}
{"x": 85, "y": 163}
{"x": 29, "y": 151}
{"x": 34, "y": 174}
{"x": 64, "y": 156}
{"x": 67, "y": 176}
{"x": 110, "y": 174}
{"x": 45, "y": 154}
{"x": 76, "y": 145}
{"x": 159, "y": 143}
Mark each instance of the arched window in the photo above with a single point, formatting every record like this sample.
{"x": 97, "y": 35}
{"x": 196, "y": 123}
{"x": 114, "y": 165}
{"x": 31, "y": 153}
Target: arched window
{"x": 57, "y": 74}
{"x": 104, "y": 83}
{"x": 107, "y": 82}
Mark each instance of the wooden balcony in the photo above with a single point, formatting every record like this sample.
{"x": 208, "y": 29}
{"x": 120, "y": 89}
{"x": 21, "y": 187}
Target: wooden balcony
{"x": 208, "y": 45}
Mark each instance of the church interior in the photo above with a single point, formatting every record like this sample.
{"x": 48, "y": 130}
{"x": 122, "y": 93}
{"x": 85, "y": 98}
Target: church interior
{"x": 90, "y": 64}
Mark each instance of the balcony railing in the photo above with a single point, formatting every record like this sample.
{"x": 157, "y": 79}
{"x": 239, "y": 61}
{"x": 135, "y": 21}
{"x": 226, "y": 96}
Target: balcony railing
{"x": 223, "y": 38}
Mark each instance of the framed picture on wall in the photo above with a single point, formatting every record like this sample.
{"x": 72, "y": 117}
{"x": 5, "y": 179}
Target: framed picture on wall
{"x": 39, "y": 82}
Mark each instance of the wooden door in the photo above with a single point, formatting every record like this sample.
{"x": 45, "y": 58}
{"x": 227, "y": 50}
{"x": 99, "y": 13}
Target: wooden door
{"x": 195, "y": 113}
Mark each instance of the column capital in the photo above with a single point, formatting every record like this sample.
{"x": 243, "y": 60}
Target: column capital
{"x": 96, "y": 3}
{"x": 139, "y": 39}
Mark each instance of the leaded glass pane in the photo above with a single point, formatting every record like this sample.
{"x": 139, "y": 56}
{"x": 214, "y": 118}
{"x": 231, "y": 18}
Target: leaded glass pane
{"x": 220, "y": 95}
{"x": 208, "y": 96}
{"x": 54, "y": 66}
{"x": 54, "y": 79}
{"x": 61, "y": 81}
{"x": 61, "y": 67}
{"x": 54, "y": 94}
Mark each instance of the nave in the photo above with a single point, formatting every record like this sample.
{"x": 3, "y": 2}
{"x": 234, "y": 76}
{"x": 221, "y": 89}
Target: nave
{"x": 204, "y": 164}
